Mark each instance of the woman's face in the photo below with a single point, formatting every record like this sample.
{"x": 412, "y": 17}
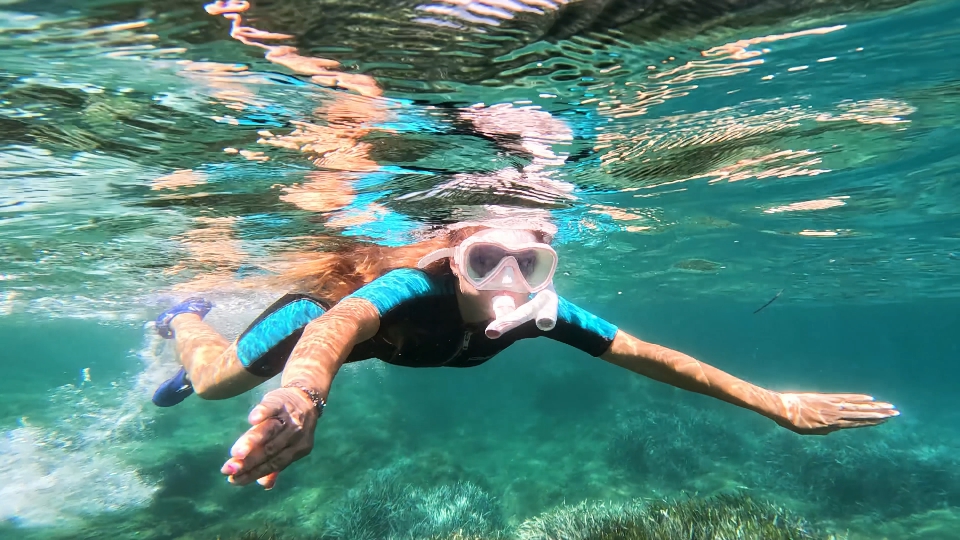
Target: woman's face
{"x": 478, "y": 305}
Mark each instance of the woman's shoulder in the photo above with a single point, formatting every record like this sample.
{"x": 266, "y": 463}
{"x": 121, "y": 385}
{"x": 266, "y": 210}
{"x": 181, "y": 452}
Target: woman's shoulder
{"x": 402, "y": 285}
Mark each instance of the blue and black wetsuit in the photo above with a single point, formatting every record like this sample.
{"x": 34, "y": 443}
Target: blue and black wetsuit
{"x": 420, "y": 326}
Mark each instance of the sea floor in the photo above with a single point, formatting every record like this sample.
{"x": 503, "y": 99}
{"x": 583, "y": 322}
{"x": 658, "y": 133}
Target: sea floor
{"x": 532, "y": 431}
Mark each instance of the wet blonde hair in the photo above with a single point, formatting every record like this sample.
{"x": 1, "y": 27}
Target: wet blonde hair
{"x": 332, "y": 275}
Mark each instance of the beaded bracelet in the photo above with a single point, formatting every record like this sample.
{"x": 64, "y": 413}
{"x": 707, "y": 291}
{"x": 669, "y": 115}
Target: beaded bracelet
{"x": 314, "y": 396}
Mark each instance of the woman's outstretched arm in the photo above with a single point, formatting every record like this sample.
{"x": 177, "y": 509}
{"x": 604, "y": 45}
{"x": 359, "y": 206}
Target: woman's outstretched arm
{"x": 806, "y": 413}
{"x": 326, "y": 343}
{"x": 284, "y": 421}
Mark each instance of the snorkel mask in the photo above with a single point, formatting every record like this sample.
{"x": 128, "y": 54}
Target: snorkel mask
{"x": 507, "y": 260}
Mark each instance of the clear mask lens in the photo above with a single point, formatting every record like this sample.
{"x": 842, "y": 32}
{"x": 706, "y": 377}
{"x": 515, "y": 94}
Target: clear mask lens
{"x": 485, "y": 261}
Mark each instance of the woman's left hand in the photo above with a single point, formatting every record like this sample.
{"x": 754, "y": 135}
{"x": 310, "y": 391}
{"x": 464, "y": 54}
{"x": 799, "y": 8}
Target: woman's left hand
{"x": 282, "y": 432}
{"x": 819, "y": 414}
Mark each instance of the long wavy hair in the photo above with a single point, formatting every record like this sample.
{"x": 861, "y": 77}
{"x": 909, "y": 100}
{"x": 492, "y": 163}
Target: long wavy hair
{"x": 332, "y": 275}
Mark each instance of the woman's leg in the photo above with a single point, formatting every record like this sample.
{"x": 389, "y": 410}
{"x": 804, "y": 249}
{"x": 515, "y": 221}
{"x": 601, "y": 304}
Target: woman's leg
{"x": 210, "y": 361}
{"x": 216, "y": 368}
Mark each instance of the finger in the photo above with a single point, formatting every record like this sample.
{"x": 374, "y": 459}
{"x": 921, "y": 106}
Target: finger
{"x": 852, "y": 398}
{"x": 868, "y": 415}
{"x": 871, "y": 406}
{"x": 257, "y": 436}
{"x": 252, "y": 439}
{"x": 274, "y": 465}
{"x": 270, "y": 406}
{"x": 288, "y": 436}
{"x": 852, "y": 424}
{"x": 231, "y": 467}
{"x": 268, "y": 481}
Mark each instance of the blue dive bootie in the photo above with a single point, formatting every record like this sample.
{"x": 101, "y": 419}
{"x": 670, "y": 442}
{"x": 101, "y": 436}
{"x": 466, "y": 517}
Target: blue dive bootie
{"x": 177, "y": 388}
{"x": 191, "y": 305}
{"x": 173, "y": 390}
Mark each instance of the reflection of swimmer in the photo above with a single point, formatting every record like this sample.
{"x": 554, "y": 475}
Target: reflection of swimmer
{"x": 336, "y": 142}
{"x": 416, "y": 45}
{"x": 455, "y": 300}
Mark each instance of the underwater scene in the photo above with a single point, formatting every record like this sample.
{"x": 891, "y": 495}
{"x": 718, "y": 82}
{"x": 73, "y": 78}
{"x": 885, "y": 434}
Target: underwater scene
{"x": 768, "y": 188}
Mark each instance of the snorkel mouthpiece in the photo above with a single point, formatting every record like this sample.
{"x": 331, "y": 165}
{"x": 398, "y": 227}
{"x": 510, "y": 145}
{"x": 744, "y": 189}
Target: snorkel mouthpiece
{"x": 543, "y": 308}
{"x": 503, "y": 305}
{"x": 508, "y": 316}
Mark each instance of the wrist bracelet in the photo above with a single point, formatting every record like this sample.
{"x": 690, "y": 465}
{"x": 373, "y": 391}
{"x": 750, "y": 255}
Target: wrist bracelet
{"x": 314, "y": 396}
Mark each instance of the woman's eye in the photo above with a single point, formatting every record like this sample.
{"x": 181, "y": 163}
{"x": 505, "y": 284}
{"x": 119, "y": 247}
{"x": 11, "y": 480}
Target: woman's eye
{"x": 526, "y": 262}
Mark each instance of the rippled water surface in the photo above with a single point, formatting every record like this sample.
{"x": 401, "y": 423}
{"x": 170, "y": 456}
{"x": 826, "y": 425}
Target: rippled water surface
{"x": 699, "y": 154}
{"x": 143, "y": 147}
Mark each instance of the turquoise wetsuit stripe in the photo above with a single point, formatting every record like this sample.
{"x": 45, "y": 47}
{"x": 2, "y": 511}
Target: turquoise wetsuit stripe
{"x": 397, "y": 287}
{"x": 275, "y": 326}
{"x": 570, "y": 313}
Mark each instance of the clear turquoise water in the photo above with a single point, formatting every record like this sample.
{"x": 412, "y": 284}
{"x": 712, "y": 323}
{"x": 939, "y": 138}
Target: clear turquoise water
{"x": 679, "y": 206}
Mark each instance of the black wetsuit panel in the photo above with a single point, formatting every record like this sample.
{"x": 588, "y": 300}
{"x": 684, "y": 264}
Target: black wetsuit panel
{"x": 420, "y": 326}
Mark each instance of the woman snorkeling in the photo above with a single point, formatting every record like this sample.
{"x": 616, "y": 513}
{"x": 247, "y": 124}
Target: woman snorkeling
{"x": 455, "y": 300}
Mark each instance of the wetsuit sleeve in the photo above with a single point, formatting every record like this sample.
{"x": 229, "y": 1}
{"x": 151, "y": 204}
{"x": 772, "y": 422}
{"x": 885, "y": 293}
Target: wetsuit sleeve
{"x": 581, "y": 329}
{"x": 397, "y": 287}
{"x": 264, "y": 347}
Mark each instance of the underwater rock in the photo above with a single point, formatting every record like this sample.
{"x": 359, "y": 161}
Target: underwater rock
{"x": 697, "y": 265}
{"x": 714, "y": 518}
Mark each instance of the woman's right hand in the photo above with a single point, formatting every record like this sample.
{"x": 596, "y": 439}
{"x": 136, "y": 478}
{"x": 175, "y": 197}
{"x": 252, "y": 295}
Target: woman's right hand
{"x": 283, "y": 427}
{"x": 284, "y": 421}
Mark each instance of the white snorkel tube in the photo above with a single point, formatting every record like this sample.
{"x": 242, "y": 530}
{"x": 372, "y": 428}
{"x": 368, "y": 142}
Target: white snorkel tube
{"x": 542, "y": 308}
